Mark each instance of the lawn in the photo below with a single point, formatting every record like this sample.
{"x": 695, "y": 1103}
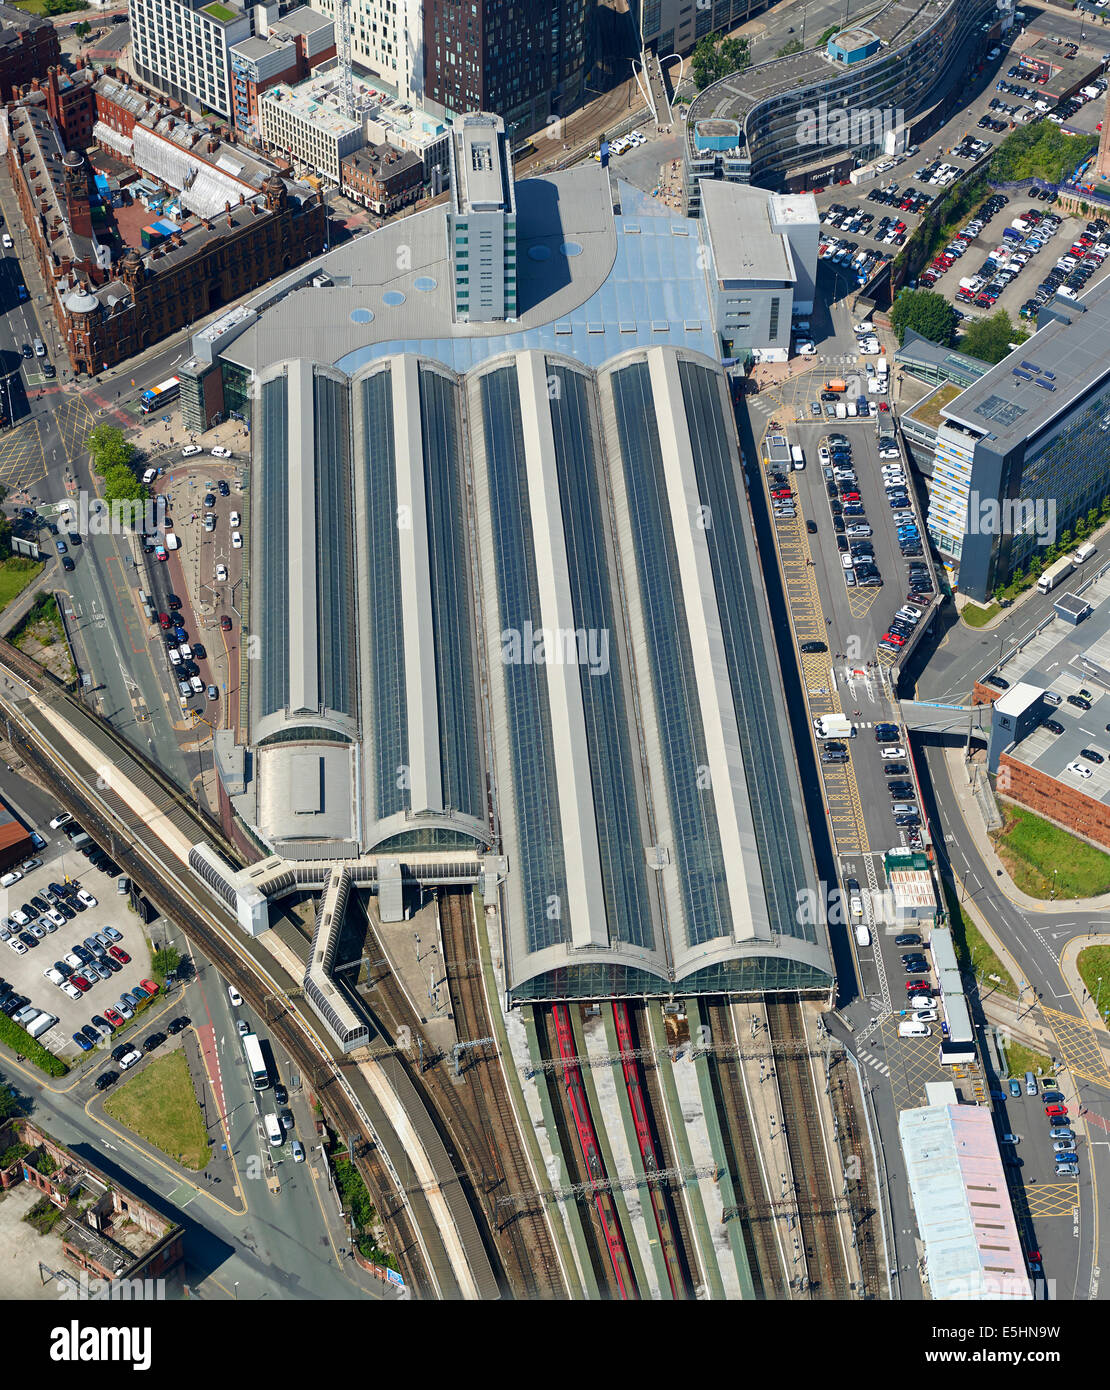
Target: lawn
{"x": 161, "y": 1106}
{"x": 1094, "y": 964}
{"x": 928, "y": 410}
{"x": 1021, "y": 1059}
{"x": 16, "y": 572}
{"x": 1038, "y": 855}
{"x": 975, "y": 616}
{"x": 973, "y": 950}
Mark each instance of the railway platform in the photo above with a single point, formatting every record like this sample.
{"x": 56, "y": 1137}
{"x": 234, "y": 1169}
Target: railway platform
{"x": 413, "y": 951}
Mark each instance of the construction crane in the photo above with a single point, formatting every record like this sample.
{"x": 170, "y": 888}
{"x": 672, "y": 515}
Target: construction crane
{"x": 343, "y": 44}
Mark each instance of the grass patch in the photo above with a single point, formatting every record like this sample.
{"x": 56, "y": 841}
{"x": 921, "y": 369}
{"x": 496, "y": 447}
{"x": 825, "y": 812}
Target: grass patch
{"x": 1021, "y": 1059}
{"x": 219, "y": 12}
{"x": 160, "y": 1104}
{"x": 16, "y": 572}
{"x": 1094, "y": 964}
{"x": 356, "y": 1201}
{"x": 928, "y": 410}
{"x": 975, "y": 616}
{"x": 19, "y": 1041}
{"x": 1033, "y": 851}
{"x": 973, "y": 951}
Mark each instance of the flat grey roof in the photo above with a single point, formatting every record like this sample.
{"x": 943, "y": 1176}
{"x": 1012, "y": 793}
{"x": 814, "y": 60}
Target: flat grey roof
{"x": 257, "y": 48}
{"x": 478, "y": 162}
{"x": 737, "y": 219}
{"x": 1069, "y": 357}
{"x": 304, "y": 20}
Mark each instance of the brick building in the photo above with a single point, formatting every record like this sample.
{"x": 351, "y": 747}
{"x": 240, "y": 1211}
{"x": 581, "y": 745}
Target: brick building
{"x": 104, "y": 1230}
{"x": 236, "y": 222}
{"x": 71, "y": 101}
{"x": 382, "y": 178}
{"x": 28, "y": 46}
{"x": 1055, "y": 800}
{"x": 15, "y": 840}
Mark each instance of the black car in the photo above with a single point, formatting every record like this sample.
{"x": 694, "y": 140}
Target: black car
{"x": 119, "y": 1053}
{"x": 896, "y": 769}
{"x": 916, "y": 969}
{"x": 1079, "y": 702}
{"x": 834, "y": 757}
{"x": 26, "y": 350}
{"x": 209, "y": 499}
{"x": 908, "y": 939}
{"x": 903, "y": 792}
{"x": 66, "y": 911}
{"x": 833, "y": 745}
{"x": 199, "y": 651}
{"x": 105, "y": 1079}
{"x": 907, "y": 818}
{"x": 814, "y": 647}
{"x": 178, "y": 1025}
{"x": 1091, "y": 755}
{"x": 825, "y": 395}
{"x": 997, "y": 681}
{"x": 28, "y": 940}
{"x": 1054, "y": 726}
{"x": 886, "y": 733}
{"x": 281, "y": 1095}
{"x": 223, "y": 488}
{"x": 67, "y": 564}
{"x": 91, "y": 1034}
{"x": 155, "y": 1040}
{"x": 811, "y": 527}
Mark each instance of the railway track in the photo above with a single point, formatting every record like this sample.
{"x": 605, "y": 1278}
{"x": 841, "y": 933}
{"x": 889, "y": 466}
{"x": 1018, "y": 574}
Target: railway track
{"x": 863, "y": 1200}
{"x": 342, "y": 1114}
{"x": 593, "y": 1211}
{"x": 757, "y": 1218}
{"x": 473, "y": 1151}
{"x": 642, "y": 1085}
{"x": 828, "y": 1276}
{"x": 519, "y": 1213}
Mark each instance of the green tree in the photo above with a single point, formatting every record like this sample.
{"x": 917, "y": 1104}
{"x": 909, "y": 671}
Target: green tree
{"x": 109, "y": 448}
{"x": 9, "y": 1103}
{"x": 790, "y": 46}
{"x": 121, "y": 485}
{"x": 927, "y": 313}
{"x": 827, "y": 35}
{"x": 165, "y": 961}
{"x": 716, "y": 58}
{"x": 989, "y": 339}
{"x": 83, "y": 30}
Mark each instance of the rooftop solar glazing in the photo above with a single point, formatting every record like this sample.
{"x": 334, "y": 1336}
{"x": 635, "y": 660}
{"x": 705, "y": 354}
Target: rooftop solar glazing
{"x": 271, "y": 582}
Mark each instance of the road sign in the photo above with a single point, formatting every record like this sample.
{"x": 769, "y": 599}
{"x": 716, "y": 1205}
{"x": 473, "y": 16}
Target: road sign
{"x": 394, "y": 1277}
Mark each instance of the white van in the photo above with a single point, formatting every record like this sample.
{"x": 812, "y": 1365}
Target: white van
{"x": 863, "y": 936}
{"x": 274, "y": 1132}
{"x": 913, "y": 1029}
{"x": 40, "y": 1025}
{"x": 797, "y": 454}
{"x": 1083, "y": 554}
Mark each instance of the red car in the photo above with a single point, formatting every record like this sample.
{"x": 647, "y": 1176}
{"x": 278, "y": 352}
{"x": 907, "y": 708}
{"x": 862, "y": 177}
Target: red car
{"x": 883, "y": 405}
{"x": 781, "y": 492}
{"x": 849, "y": 497}
{"x": 118, "y": 953}
{"x": 893, "y": 637}
{"x": 114, "y": 1018}
{"x": 81, "y": 983}
{"x": 165, "y": 622}
{"x": 918, "y": 987}
{"x": 225, "y": 622}
{"x": 149, "y": 985}
{"x": 1055, "y": 1111}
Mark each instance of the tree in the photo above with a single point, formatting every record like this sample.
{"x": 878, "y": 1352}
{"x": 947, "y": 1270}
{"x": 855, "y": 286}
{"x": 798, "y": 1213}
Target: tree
{"x": 9, "y": 1102}
{"x": 83, "y": 30}
{"x": 716, "y": 58}
{"x": 121, "y": 485}
{"x": 927, "y": 313}
{"x": 109, "y": 448}
{"x": 989, "y": 339}
{"x": 790, "y": 46}
{"x": 165, "y": 961}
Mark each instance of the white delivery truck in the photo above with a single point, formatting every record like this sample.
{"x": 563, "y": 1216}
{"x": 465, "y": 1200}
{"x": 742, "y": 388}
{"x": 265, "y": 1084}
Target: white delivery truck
{"x": 1083, "y": 554}
{"x": 172, "y": 543}
{"x": 863, "y": 936}
{"x": 274, "y": 1132}
{"x": 797, "y": 454}
{"x": 1054, "y": 575}
{"x": 834, "y": 726}
{"x": 38, "y": 1026}
{"x": 841, "y": 411}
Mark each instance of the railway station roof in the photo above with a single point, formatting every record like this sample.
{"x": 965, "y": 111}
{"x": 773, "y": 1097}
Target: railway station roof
{"x": 481, "y": 581}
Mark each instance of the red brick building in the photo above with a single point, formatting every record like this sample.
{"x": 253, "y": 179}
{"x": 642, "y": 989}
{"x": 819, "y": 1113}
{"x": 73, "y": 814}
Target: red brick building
{"x": 1055, "y": 800}
{"x": 289, "y": 50}
{"x": 28, "y": 46}
{"x": 71, "y": 101}
{"x": 382, "y": 177}
{"x": 239, "y": 224}
{"x": 15, "y": 840}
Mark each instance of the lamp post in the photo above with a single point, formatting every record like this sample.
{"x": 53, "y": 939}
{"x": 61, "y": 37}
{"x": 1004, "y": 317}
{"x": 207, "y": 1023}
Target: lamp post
{"x": 1098, "y": 997}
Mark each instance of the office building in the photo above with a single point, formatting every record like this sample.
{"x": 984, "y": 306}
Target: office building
{"x": 762, "y": 265}
{"x": 181, "y": 47}
{"x": 524, "y": 60}
{"x": 481, "y": 226}
{"x": 387, "y": 38}
{"x": 803, "y": 121}
{"x": 282, "y": 52}
{"x": 1024, "y": 451}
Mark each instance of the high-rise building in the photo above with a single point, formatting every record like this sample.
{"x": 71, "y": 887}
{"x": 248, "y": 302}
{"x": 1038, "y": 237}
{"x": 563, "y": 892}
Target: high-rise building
{"x": 387, "y": 37}
{"x": 523, "y": 59}
{"x": 481, "y": 226}
{"x": 181, "y": 48}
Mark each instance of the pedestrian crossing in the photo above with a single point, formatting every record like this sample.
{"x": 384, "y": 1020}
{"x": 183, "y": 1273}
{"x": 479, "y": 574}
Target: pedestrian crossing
{"x": 869, "y": 1059}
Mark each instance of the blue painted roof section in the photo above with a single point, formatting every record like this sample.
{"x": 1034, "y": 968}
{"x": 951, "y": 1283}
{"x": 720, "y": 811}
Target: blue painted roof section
{"x": 654, "y": 294}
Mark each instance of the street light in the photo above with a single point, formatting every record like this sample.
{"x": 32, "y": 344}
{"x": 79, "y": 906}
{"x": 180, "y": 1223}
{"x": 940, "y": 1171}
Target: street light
{"x": 1098, "y": 997}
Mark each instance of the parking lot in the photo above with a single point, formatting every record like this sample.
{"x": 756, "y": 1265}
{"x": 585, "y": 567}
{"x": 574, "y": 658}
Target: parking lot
{"x": 47, "y": 942}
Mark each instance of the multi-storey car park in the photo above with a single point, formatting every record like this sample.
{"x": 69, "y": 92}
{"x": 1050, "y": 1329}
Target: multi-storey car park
{"x": 508, "y": 606}
{"x": 776, "y": 124}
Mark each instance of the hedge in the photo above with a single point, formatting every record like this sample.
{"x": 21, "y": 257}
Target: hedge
{"x": 20, "y": 1041}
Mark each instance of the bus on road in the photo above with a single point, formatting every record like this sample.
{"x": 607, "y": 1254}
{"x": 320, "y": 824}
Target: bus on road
{"x": 159, "y": 396}
{"x": 256, "y": 1065}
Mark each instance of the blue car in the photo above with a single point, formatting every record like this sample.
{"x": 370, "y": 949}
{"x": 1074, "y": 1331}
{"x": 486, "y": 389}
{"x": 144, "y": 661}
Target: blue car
{"x": 137, "y": 996}
{"x": 82, "y": 1042}
{"x": 61, "y": 547}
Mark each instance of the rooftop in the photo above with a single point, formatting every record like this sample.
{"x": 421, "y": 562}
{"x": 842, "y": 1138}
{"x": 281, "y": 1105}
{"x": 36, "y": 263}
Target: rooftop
{"x": 312, "y": 103}
{"x": 223, "y": 14}
{"x": 744, "y": 245}
{"x": 480, "y": 165}
{"x": 959, "y": 1192}
{"x": 1042, "y": 380}
{"x": 377, "y": 160}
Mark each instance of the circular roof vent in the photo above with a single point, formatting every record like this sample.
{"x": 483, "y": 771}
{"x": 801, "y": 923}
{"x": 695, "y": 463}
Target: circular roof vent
{"x": 539, "y": 253}
{"x": 393, "y": 298}
{"x": 362, "y": 315}
{"x": 82, "y": 302}
{"x": 425, "y": 284}
{"x": 571, "y": 248}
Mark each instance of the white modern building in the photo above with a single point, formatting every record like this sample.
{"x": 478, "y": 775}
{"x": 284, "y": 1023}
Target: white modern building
{"x": 312, "y": 131}
{"x": 481, "y": 226}
{"x": 387, "y": 36}
{"x": 181, "y": 48}
{"x": 762, "y": 264}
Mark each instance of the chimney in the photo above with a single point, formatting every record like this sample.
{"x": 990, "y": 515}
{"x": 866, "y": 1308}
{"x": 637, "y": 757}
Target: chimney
{"x": 242, "y": 200}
